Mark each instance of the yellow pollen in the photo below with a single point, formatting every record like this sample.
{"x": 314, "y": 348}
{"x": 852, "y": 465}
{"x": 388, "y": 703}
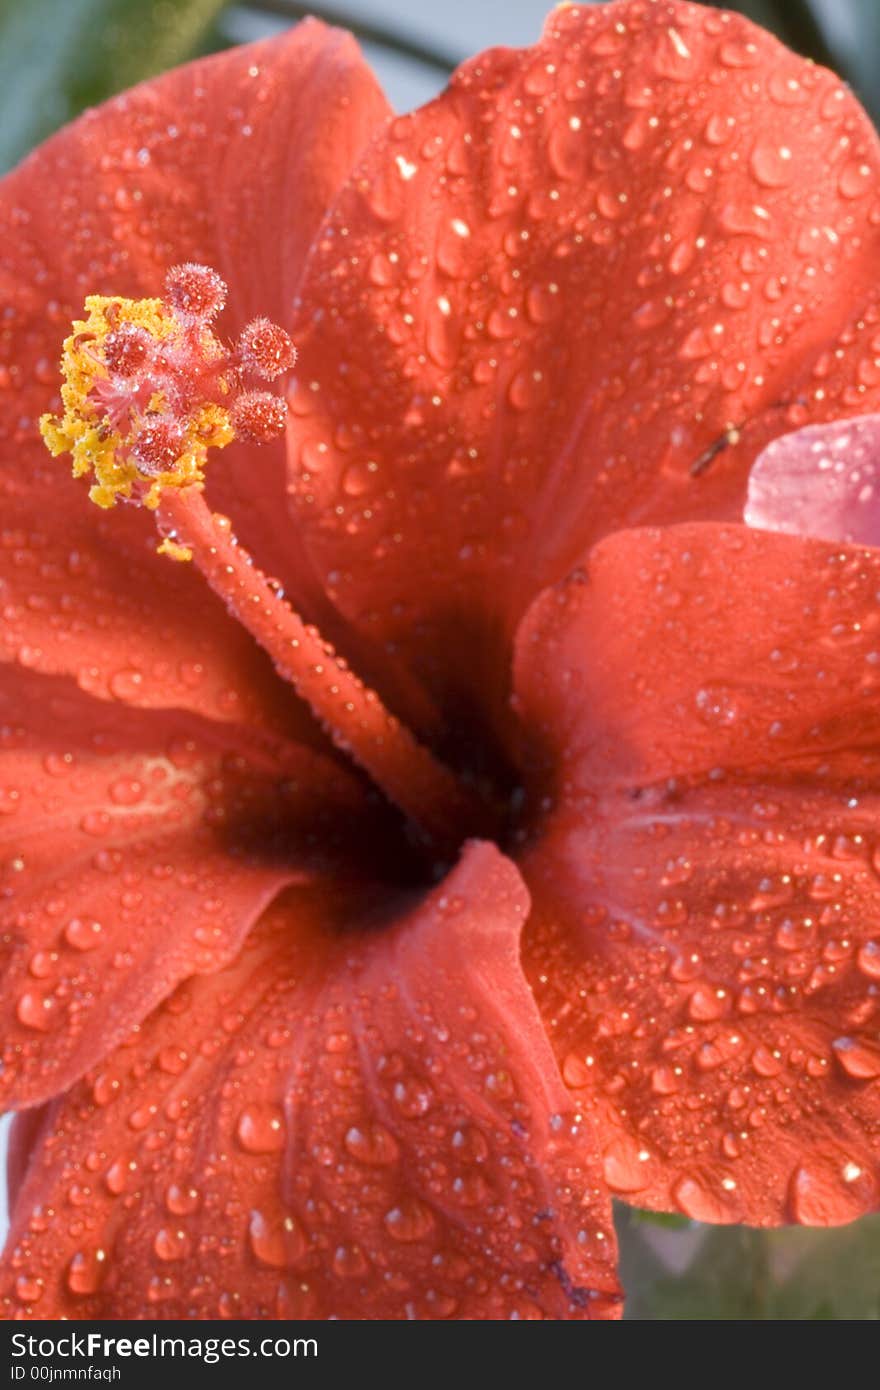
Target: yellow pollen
{"x": 174, "y": 550}
{"x": 100, "y": 439}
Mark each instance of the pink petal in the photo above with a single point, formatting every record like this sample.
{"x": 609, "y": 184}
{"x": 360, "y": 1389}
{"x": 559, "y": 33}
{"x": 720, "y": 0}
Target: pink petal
{"x": 823, "y": 480}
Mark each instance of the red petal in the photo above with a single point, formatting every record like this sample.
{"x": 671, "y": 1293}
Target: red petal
{"x": 347, "y": 1122}
{"x": 135, "y": 848}
{"x": 230, "y": 161}
{"x": 820, "y": 481}
{"x": 708, "y": 952}
{"x": 24, "y": 1133}
{"x": 540, "y": 300}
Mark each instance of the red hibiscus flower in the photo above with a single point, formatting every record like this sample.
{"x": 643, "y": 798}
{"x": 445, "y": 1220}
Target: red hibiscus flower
{"x": 369, "y": 1014}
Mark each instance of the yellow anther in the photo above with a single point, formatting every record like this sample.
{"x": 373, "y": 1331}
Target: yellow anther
{"x": 148, "y": 388}
{"x": 174, "y": 550}
{"x": 103, "y": 416}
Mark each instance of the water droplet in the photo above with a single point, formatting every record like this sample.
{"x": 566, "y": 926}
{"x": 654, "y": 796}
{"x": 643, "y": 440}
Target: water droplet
{"x": 276, "y": 1241}
{"x": 35, "y": 1011}
{"x": 28, "y": 1290}
{"x": 765, "y": 1062}
{"x": 182, "y": 1199}
{"x": 117, "y": 1176}
{"x": 261, "y": 1129}
{"x": 855, "y": 179}
{"x": 825, "y": 1192}
{"x": 626, "y": 1166}
{"x": 412, "y": 1098}
{"x": 83, "y": 934}
{"x": 410, "y": 1220}
{"x": 86, "y": 1271}
{"x": 126, "y": 684}
{"x": 172, "y": 1243}
{"x": 869, "y": 960}
{"x": 772, "y": 164}
{"x": 126, "y": 791}
{"x": 858, "y": 1057}
{"x": 527, "y": 389}
{"x": 699, "y": 1200}
{"x": 706, "y": 1004}
{"x": 716, "y": 707}
{"x": 349, "y": 1262}
{"x": 371, "y": 1143}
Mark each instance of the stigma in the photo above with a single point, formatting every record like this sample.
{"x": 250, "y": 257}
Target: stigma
{"x": 149, "y": 388}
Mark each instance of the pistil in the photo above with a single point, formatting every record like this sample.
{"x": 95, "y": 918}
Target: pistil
{"x": 148, "y": 390}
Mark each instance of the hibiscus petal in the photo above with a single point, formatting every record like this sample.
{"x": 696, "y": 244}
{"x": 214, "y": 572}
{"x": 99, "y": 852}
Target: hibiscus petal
{"x": 707, "y": 947}
{"x": 820, "y": 481}
{"x": 230, "y": 161}
{"x": 135, "y": 848}
{"x": 542, "y": 299}
{"x": 25, "y": 1129}
{"x": 347, "y": 1122}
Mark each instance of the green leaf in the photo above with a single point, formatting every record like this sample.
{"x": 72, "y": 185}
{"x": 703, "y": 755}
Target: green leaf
{"x": 56, "y": 59}
{"x": 735, "y": 1272}
{"x": 668, "y": 1219}
{"x": 853, "y": 31}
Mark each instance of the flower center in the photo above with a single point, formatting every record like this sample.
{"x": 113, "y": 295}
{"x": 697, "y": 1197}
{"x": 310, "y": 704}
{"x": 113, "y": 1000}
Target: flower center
{"x": 148, "y": 390}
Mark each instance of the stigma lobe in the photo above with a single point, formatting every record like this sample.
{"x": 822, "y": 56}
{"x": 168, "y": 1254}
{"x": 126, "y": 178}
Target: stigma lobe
{"x": 195, "y": 291}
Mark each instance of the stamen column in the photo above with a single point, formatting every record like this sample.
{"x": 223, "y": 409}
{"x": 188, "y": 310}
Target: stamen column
{"x": 351, "y": 713}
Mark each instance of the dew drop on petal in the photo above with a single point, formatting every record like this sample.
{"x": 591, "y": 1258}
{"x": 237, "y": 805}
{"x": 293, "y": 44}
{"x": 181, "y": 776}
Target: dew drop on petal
{"x": 261, "y": 1129}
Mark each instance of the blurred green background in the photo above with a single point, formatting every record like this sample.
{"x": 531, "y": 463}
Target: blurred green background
{"x": 58, "y": 56}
